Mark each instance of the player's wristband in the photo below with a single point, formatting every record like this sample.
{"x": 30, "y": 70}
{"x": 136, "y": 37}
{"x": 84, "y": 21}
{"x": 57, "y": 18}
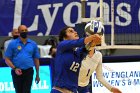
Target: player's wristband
{"x": 14, "y": 68}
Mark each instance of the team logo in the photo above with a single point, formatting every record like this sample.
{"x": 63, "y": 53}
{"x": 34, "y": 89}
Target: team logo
{"x": 19, "y": 47}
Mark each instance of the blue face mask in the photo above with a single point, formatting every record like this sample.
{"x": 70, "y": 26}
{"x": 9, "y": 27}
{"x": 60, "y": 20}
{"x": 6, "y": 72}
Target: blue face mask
{"x": 15, "y": 36}
{"x": 24, "y": 34}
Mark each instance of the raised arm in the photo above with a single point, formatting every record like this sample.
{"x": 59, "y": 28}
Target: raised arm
{"x": 92, "y": 38}
{"x": 69, "y": 44}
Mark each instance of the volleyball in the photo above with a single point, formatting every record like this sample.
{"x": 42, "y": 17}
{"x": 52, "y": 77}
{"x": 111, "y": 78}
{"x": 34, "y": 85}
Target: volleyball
{"x": 94, "y": 27}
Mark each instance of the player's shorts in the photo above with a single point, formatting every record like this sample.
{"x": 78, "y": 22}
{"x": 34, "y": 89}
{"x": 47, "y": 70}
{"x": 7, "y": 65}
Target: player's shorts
{"x": 61, "y": 90}
{"x": 83, "y": 89}
{"x": 55, "y": 91}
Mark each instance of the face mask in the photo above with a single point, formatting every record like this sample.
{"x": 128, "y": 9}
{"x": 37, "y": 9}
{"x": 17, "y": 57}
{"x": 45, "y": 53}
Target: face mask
{"x": 53, "y": 55}
{"x": 15, "y": 36}
{"x": 23, "y": 34}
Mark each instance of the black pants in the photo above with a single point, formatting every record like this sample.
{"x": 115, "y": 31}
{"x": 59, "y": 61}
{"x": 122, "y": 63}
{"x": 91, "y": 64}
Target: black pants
{"x": 23, "y": 82}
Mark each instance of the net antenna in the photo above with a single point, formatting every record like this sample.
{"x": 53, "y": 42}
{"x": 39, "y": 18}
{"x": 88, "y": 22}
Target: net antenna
{"x": 113, "y": 40}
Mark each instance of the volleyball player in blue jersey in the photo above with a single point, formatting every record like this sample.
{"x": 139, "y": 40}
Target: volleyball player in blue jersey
{"x": 70, "y": 53}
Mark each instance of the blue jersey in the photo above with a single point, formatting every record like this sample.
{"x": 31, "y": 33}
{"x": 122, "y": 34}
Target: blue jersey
{"x": 67, "y": 63}
{"x": 22, "y": 55}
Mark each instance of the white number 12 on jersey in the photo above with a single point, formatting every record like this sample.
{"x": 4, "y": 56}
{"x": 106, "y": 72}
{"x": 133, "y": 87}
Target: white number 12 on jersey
{"x": 74, "y": 66}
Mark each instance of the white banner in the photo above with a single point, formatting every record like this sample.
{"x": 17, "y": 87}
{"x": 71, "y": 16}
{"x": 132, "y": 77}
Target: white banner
{"x": 124, "y": 75}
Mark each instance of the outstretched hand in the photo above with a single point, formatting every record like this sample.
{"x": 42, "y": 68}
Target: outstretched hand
{"x": 115, "y": 90}
{"x": 37, "y": 79}
{"x": 96, "y": 40}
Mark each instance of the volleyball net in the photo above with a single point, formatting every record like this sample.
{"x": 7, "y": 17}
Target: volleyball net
{"x": 121, "y": 19}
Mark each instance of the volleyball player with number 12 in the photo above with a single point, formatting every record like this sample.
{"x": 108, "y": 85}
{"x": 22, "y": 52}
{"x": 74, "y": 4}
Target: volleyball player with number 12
{"x": 70, "y": 52}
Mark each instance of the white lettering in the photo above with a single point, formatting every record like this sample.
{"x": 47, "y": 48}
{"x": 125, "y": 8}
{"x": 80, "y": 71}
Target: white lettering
{"x": 123, "y": 14}
{"x": 34, "y": 86}
{"x": 123, "y": 17}
{"x": 1, "y": 86}
{"x": 94, "y": 6}
{"x": 12, "y": 86}
{"x": 18, "y": 17}
{"x": 41, "y": 85}
{"x": 139, "y": 16}
{"x": 34, "y": 25}
{"x": 45, "y": 84}
{"x": 17, "y": 13}
{"x": 67, "y": 14}
{"x": 6, "y": 86}
{"x": 47, "y": 15}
